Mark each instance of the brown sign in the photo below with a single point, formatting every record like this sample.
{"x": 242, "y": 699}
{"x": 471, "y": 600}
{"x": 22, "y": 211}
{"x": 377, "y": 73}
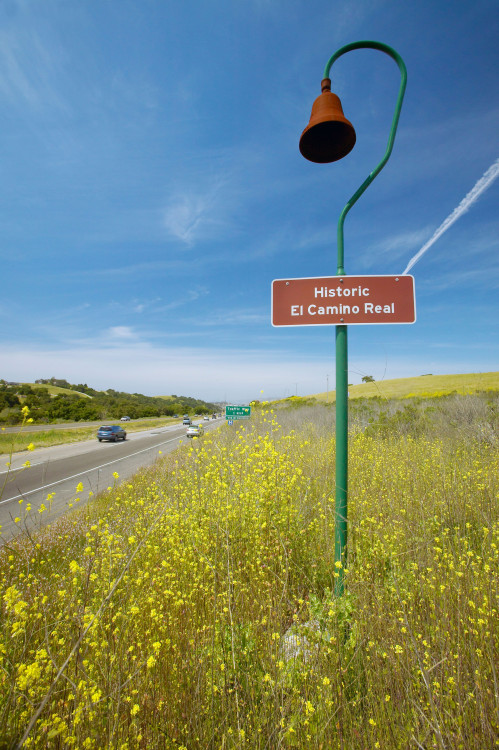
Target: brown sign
{"x": 343, "y": 300}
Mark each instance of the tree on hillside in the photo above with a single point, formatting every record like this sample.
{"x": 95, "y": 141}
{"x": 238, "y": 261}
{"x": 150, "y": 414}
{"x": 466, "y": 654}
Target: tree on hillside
{"x": 368, "y": 379}
{"x": 108, "y": 405}
{"x": 8, "y": 400}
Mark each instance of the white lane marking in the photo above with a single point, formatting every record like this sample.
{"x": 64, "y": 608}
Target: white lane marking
{"x": 82, "y": 473}
{"x": 22, "y": 468}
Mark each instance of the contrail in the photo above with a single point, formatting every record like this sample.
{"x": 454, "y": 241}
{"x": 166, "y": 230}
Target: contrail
{"x": 475, "y": 192}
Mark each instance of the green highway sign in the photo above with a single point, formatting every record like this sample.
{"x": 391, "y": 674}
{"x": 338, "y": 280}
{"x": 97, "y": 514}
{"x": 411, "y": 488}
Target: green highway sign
{"x": 237, "y": 412}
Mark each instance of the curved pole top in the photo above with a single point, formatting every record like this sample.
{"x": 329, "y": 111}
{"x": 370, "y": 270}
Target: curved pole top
{"x": 366, "y": 45}
{"x": 391, "y": 139}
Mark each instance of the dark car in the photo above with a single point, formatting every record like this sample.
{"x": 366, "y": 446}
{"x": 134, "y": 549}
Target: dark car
{"x": 111, "y": 432}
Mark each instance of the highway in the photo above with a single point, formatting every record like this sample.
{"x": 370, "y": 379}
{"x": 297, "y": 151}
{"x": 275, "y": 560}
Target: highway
{"x": 58, "y": 471}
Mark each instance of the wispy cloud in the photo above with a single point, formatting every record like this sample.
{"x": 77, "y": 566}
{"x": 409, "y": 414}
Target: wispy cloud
{"x": 483, "y": 183}
{"x": 483, "y": 277}
{"x": 158, "y": 305}
{"x": 186, "y": 299}
{"x": 155, "y": 267}
{"x": 118, "y": 333}
{"x": 213, "y": 374}
{"x": 394, "y": 246}
{"x": 437, "y": 149}
{"x": 196, "y": 214}
{"x": 185, "y": 217}
{"x": 29, "y": 66}
{"x": 225, "y": 318}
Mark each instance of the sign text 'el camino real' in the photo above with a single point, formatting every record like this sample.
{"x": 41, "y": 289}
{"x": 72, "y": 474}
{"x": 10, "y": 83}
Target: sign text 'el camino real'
{"x": 343, "y": 300}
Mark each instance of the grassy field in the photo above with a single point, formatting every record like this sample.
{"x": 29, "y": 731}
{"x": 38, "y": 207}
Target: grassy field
{"x": 424, "y": 385}
{"x": 28, "y": 440}
{"x": 55, "y": 390}
{"x": 191, "y": 608}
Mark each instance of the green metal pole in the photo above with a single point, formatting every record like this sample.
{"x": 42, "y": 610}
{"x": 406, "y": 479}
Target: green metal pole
{"x": 341, "y": 492}
{"x": 341, "y": 499}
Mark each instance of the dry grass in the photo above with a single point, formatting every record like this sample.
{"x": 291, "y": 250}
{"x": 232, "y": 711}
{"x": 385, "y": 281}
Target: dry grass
{"x": 424, "y": 385}
{"x": 56, "y": 390}
{"x": 192, "y": 608}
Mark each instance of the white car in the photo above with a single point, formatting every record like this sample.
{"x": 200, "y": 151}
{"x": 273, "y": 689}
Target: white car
{"x": 125, "y": 419}
{"x": 195, "y": 430}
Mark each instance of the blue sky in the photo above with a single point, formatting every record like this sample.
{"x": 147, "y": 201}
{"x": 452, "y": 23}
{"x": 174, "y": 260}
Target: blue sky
{"x": 152, "y": 188}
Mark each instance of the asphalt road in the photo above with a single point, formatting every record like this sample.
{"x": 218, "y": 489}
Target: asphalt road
{"x": 61, "y": 468}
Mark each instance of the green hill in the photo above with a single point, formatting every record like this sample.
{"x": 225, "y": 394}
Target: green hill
{"x": 56, "y": 390}
{"x": 423, "y": 385}
{"x": 56, "y": 400}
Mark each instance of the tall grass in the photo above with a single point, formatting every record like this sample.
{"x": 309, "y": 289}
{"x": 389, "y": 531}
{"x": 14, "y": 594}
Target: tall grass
{"x": 424, "y": 385}
{"x": 20, "y": 441}
{"x": 192, "y": 607}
